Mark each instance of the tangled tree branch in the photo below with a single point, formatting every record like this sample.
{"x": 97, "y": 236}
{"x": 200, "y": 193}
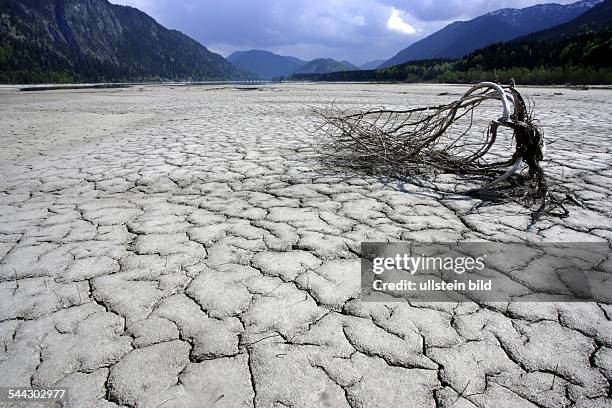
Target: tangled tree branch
{"x": 420, "y": 144}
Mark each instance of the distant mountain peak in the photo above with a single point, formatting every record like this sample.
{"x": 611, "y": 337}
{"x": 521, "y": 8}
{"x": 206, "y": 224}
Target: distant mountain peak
{"x": 509, "y": 11}
{"x": 265, "y": 64}
{"x": 586, "y": 3}
{"x": 325, "y": 65}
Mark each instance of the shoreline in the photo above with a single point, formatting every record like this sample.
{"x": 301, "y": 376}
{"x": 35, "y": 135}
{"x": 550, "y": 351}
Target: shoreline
{"x": 119, "y": 85}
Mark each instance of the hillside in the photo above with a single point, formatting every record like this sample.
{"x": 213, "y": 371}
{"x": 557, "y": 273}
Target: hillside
{"x": 371, "y": 64}
{"x": 462, "y": 37}
{"x": 350, "y": 65}
{"x": 96, "y": 41}
{"x": 264, "y": 64}
{"x": 598, "y": 18}
{"x": 585, "y": 41}
{"x": 324, "y": 65}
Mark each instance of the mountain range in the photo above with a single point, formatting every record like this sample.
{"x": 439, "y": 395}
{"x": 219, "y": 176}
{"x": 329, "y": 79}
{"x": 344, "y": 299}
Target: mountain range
{"x": 584, "y": 41}
{"x": 462, "y": 37}
{"x": 267, "y": 65}
{"x": 96, "y": 41}
{"x": 453, "y": 41}
{"x": 579, "y": 52}
{"x": 325, "y": 65}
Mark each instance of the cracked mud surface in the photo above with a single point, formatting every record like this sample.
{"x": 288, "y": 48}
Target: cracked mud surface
{"x": 178, "y": 247}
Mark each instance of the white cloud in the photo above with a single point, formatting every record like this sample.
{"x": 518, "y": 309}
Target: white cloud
{"x": 396, "y": 23}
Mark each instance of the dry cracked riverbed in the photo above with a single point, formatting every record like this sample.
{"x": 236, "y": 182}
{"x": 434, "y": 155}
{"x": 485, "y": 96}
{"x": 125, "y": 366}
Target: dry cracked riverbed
{"x": 178, "y": 247}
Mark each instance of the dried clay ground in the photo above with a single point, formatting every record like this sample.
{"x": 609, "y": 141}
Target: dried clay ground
{"x": 179, "y": 247}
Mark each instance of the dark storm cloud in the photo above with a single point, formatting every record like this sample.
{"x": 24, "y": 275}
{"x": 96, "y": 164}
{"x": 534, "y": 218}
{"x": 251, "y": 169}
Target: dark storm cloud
{"x": 358, "y": 30}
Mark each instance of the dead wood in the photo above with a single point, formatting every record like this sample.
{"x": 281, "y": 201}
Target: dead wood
{"x": 421, "y": 145}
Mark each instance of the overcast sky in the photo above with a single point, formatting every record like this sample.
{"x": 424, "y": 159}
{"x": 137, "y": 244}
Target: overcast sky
{"x": 356, "y": 30}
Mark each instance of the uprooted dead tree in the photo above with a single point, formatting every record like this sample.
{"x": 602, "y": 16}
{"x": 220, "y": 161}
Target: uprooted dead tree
{"x": 423, "y": 144}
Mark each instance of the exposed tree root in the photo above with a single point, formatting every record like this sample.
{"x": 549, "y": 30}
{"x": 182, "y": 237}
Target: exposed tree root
{"x": 422, "y": 144}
